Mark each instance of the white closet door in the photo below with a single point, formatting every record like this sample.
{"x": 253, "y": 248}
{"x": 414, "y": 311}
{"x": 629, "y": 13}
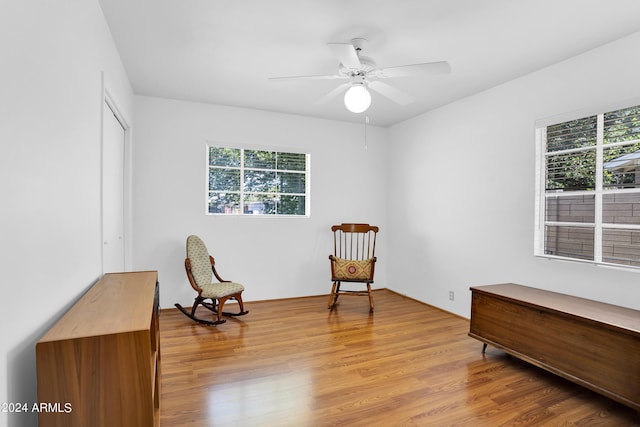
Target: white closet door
{"x": 113, "y": 142}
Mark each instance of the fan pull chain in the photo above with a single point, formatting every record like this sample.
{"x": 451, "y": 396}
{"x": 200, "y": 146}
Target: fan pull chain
{"x": 366, "y": 122}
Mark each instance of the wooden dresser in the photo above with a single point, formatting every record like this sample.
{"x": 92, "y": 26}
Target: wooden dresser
{"x": 594, "y": 344}
{"x": 99, "y": 365}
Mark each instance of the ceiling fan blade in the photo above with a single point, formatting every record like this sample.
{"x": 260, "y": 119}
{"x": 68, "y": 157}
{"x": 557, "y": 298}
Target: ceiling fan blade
{"x": 428, "y": 68}
{"x": 335, "y": 92}
{"x": 317, "y": 77}
{"x": 346, "y": 54}
{"x": 390, "y": 92}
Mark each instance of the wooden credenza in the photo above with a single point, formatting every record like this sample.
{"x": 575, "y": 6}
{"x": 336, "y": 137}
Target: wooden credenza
{"x": 593, "y": 344}
{"x": 99, "y": 365}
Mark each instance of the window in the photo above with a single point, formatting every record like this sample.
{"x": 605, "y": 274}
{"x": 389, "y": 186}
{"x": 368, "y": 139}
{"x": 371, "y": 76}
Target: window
{"x": 588, "y": 191}
{"x": 257, "y": 182}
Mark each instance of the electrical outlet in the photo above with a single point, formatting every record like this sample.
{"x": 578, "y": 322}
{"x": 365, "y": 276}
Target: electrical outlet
{"x": 451, "y": 296}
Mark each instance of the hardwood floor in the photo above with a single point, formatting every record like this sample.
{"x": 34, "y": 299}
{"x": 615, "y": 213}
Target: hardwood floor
{"x": 295, "y": 363}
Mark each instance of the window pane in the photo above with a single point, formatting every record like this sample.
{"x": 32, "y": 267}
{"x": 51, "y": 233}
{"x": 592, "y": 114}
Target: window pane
{"x": 260, "y": 181}
{"x": 573, "y": 242}
{"x": 574, "y": 134}
{"x": 245, "y": 181}
{"x": 621, "y": 246}
{"x": 573, "y": 151}
{"x": 571, "y": 208}
{"x": 260, "y": 204}
{"x": 572, "y": 171}
{"x": 259, "y": 159}
{"x": 621, "y": 167}
{"x": 621, "y": 208}
{"x": 292, "y": 161}
{"x": 292, "y": 182}
{"x": 622, "y": 125}
{"x": 226, "y": 203}
{"x": 224, "y": 179}
{"x": 291, "y": 205}
{"x": 224, "y": 156}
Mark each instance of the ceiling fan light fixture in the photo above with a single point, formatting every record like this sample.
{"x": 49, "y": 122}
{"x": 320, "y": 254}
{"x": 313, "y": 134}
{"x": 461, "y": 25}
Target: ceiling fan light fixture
{"x": 357, "y": 99}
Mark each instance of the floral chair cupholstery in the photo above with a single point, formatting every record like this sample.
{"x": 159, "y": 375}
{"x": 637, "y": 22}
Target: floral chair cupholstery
{"x": 200, "y": 267}
{"x": 353, "y": 260}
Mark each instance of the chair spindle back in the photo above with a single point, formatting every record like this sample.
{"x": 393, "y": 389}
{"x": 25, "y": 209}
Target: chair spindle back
{"x": 354, "y": 241}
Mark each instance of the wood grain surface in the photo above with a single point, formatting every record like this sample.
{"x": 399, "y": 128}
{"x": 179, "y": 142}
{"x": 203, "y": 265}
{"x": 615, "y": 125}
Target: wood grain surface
{"x": 295, "y": 363}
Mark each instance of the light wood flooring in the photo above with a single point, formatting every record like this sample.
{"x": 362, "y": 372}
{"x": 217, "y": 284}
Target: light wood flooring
{"x": 295, "y": 363}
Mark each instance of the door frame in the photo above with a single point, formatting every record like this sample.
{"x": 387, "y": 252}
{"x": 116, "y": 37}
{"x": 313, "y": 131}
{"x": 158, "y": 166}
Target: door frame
{"x": 108, "y": 100}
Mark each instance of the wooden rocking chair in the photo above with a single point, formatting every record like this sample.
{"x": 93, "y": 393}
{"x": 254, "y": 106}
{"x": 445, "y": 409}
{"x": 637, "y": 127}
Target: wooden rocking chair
{"x": 353, "y": 259}
{"x": 200, "y": 267}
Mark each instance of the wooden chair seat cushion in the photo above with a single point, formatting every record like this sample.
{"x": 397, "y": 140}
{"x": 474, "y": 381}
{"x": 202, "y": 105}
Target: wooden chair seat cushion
{"x": 221, "y": 290}
{"x": 347, "y": 269}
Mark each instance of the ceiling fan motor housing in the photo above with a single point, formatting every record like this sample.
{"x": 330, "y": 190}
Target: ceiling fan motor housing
{"x": 366, "y": 66}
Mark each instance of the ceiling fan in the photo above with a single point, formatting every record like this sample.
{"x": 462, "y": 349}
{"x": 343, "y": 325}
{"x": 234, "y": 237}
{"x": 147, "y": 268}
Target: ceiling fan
{"x": 362, "y": 73}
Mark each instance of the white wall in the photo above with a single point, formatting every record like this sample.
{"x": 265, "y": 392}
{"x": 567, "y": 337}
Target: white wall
{"x": 275, "y": 257}
{"x": 475, "y": 226}
{"x": 466, "y": 178}
{"x": 50, "y": 100}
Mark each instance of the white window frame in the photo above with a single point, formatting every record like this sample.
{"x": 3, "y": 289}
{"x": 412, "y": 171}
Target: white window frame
{"x": 242, "y": 192}
{"x": 541, "y": 196}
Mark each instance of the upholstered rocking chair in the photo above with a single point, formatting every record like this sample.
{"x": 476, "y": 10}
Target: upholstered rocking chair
{"x": 353, "y": 260}
{"x": 200, "y": 267}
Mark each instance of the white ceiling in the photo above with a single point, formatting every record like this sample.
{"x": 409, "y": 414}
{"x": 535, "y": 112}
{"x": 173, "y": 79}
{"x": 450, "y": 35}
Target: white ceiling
{"x": 223, "y": 52}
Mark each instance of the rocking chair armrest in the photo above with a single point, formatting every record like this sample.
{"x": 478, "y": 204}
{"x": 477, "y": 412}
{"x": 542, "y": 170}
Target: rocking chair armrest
{"x": 215, "y": 272}
{"x": 220, "y": 279}
{"x": 192, "y": 282}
